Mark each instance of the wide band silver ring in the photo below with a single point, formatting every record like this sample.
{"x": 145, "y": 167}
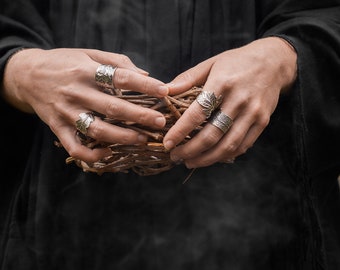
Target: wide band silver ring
{"x": 221, "y": 121}
{"x": 209, "y": 102}
{"x": 84, "y": 121}
{"x": 104, "y": 76}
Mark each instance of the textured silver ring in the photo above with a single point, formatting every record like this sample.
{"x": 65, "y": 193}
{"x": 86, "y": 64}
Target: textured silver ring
{"x": 221, "y": 121}
{"x": 209, "y": 102}
{"x": 104, "y": 76}
{"x": 84, "y": 121}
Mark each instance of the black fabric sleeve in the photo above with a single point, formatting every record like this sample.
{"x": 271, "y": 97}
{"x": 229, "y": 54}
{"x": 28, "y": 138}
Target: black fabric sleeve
{"x": 313, "y": 28}
{"x": 315, "y": 34}
{"x": 21, "y": 26}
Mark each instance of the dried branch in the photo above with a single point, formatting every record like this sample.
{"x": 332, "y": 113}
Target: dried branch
{"x": 147, "y": 159}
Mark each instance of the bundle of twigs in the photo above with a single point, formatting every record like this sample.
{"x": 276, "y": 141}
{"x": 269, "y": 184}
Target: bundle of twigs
{"x": 150, "y": 158}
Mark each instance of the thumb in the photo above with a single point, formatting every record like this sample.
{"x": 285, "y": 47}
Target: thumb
{"x": 195, "y": 76}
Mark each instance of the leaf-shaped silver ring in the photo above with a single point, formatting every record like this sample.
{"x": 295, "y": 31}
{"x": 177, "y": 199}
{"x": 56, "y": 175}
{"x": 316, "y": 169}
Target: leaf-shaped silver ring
{"x": 209, "y": 102}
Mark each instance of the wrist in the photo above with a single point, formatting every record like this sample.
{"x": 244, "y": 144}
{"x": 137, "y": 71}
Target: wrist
{"x": 14, "y": 73}
{"x": 281, "y": 57}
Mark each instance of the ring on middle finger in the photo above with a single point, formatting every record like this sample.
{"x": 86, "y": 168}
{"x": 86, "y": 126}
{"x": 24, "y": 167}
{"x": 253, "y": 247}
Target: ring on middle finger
{"x": 221, "y": 121}
{"x": 209, "y": 102}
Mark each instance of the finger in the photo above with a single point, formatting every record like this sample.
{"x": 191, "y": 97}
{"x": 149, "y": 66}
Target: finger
{"x": 75, "y": 149}
{"x": 127, "y": 79}
{"x": 209, "y": 136}
{"x": 195, "y": 76}
{"x": 116, "y": 108}
{"x": 114, "y": 59}
{"x": 190, "y": 119}
{"x": 194, "y": 115}
{"x": 249, "y": 140}
{"x": 237, "y": 141}
{"x": 106, "y": 132}
{"x": 204, "y": 140}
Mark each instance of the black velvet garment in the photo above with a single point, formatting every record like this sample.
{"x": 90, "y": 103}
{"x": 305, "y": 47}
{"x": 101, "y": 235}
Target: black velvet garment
{"x": 277, "y": 207}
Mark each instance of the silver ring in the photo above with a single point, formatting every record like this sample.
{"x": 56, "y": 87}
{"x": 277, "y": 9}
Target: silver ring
{"x": 221, "y": 121}
{"x": 104, "y": 76}
{"x": 209, "y": 102}
{"x": 84, "y": 121}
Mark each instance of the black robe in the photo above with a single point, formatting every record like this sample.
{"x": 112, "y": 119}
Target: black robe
{"x": 276, "y": 207}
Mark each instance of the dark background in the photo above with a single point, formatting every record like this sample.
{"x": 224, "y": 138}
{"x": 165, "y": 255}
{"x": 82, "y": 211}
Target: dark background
{"x": 17, "y": 129}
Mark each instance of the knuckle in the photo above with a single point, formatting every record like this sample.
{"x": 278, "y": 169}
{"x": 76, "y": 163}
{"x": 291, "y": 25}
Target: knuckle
{"x": 196, "y": 116}
{"x": 123, "y": 59}
{"x": 91, "y": 159}
{"x": 121, "y": 78}
{"x": 146, "y": 85}
{"x": 70, "y": 94}
{"x": 179, "y": 135}
{"x": 257, "y": 108}
{"x": 242, "y": 150}
{"x": 143, "y": 117}
{"x": 95, "y": 131}
{"x": 77, "y": 72}
{"x": 243, "y": 100}
{"x": 229, "y": 147}
{"x": 53, "y": 124}
{"x": 230, "y": 81}
{"x": 263, "y": 121}
{"x": 260, "y": 116}
{"x": 225, "y": 82}
{"x": 209, "y": 139}
{"x": 208, "y": 162}
{"x": 96, "y": 156}
{"x": 73, "y": 151}
{"x": 112, "y": 109}
{"x": 128, "y": 138}
{"x": 187, "y": 76}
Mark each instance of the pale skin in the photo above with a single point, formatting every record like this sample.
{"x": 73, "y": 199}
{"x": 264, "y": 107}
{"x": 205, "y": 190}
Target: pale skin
{"x": 250, "y": 80}
{"x": 59, "y": 84}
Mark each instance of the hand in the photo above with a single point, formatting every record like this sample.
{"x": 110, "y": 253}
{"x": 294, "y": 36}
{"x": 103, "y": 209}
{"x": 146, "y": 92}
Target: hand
{"x": 59, "y": 84}
{"x": 250, "y": 80}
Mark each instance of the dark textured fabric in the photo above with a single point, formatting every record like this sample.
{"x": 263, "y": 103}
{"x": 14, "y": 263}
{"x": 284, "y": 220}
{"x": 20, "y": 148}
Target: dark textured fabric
{"x": 275, "y": 208}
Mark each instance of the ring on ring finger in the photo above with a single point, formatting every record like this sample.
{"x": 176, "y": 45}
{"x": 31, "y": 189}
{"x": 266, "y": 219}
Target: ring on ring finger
{"x": 84, "y": 122}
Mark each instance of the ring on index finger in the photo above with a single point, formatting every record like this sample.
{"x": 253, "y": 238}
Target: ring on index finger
{"x": 209, "y": 102}
{"x": 104, "y": 76}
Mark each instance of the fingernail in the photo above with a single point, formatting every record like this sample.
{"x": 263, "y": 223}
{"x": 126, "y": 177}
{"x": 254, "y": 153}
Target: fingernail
{"x": 169, "y": 145}
{"x": 189, "y": 166}
{"x": 142, "y": 71}
{"x": 176, "y": 159}
{"x": 142, "y": 138}
{"x": 231, "y": 160}
{"x": 107, "y": 153}
{"x": 170, "y": 84}
{"x": 163, "y": 90}
{"x": 179, "y": 162}
{"x": 160, "y": 121}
